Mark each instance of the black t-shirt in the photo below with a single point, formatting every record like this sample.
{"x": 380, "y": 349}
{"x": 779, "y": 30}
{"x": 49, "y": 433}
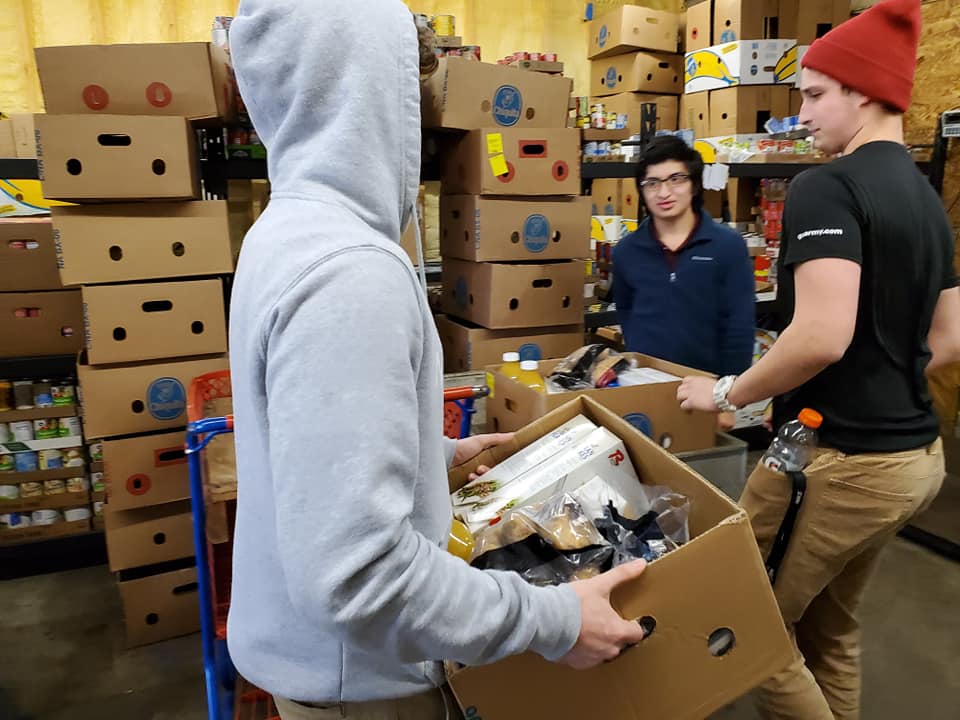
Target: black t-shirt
{"x": 875, "y": 208}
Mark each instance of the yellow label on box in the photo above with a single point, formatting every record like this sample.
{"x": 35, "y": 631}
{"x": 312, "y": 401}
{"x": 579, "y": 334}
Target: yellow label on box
{"x": 490, "y": 383}
{"x": 498, "y": 164}
{"x": 495, "y": 144}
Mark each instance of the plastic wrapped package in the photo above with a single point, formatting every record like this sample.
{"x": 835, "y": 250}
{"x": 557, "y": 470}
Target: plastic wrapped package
{"x": 592, "y": 366}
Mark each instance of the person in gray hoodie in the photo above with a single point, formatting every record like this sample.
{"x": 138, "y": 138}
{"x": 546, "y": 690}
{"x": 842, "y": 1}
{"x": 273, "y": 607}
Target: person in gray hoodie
{"x": 344, "y": 599}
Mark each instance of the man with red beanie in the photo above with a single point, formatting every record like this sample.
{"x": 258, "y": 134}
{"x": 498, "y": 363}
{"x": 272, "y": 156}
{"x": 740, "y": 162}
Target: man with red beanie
{"x": 869, "y": 290}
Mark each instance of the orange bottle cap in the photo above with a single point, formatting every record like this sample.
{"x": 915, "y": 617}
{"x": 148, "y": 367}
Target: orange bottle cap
{"x": 811, "y": 418}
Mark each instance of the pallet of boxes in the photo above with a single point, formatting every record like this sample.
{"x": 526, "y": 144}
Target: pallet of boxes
{"x": 513, "y": 232}
{"x": 152, "y": 264}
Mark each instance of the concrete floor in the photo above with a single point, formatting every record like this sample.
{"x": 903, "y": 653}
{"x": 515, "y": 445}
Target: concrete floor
{"x": 63, "y": 655}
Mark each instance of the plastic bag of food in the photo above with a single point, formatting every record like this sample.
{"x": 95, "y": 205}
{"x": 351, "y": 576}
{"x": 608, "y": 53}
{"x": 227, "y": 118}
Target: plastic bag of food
{"x": 592, "y": 366}
{"x": 633, "y": 539}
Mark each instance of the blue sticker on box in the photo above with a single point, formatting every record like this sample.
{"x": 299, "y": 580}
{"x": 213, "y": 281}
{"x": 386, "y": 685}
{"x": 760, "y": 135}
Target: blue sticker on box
{"x": 611, "y": 79}
{"x": 166, "y": 399}
{"x": 602, "y": 40}
{"x": 692, "y": 66}
{"x": 641, "y": 422}
{"x": 507, "y": 105}
{"x": 531, "y": 351}
{"x": 536, "y": 233}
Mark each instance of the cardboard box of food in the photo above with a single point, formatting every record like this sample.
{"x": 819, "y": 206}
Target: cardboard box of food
{"x": 192, "y": 80}
{"x": 632, "y": 27}
{"x": 514, "y": 161}
{"x": 643, "y": 72}
{"x": 463, "y": 94}
{"x": 631, "y": 105}
{"x": 27, "y": 255}
{"x": 117, "y": 157}
{"x": 808, "y": 20}
{"x": 616, "y": 198}
{"x": 606, "y": 197}
{"x": 145, "y": 241}
{"x": 484, "y": 229}
{"x": 745, "y": 20}
{"x": 695, "y": 113}
{"x": 653, "y": 408}
{"x": 146, "y": 470}
{"x": 146, "y": 397}
{"x": 17, "y": 137}
{"x": 744, "y": 62}
{"x": 745, "y": 110}
{"x": 700, "y": 656}
{"x": 699, "y": 29}
{"x": 148, "y": 535}
{"x": 742, "y": 199}
{"x": 159, "y": 606}
{"x": 43, "y": 323}
{"x": 468, "y": 347}
{"x": 499, "y": 296}
{"x": 152, "y": 321}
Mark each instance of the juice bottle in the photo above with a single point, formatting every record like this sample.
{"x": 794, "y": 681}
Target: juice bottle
{"x": 460, "y": 542}
{"x": 530, "y": 377}
{"x": 511, "y": 365}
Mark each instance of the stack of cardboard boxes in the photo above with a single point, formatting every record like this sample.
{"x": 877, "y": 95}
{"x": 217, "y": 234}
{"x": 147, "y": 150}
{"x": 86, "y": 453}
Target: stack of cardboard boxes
{"x": 742, "y": 68}
{"x": 512, "y": 224}
{"x": 150, "y": 261}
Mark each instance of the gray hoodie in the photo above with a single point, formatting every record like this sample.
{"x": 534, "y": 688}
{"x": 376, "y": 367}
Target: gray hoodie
{"x": 342, "y": 588}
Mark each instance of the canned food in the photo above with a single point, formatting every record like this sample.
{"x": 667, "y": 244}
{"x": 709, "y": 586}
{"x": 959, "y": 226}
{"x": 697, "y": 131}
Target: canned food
{"x": 550, "y": 57}
{"x": 597, "y": 108}
{"x": 50, "y": 460}
{"x": 23, "y": 394}
{"x": 25, "y": 461}
{"x": 471, "y": 52}
{"x": 96, "y": 451}
{"x": 521, "y": 55}
{"x": 77, "y": 485}
{"x": 44, "y": 517}
{"x": 590, "y": 149}
{"x": 75, "y": 514}
{"x": 612, "y": 120}
{"x": 54, "y": 487}
{"x": 6, "y": 434}
{"x": 603, "y": 148}
{"x": 70, "y": 427}
{"x": 6, "y": 462}
{"x": 536, "y": 56}
{"x": 622, "y": 121}
{"x": 6, "y": 395}
{"x": 445, "y": 25}
{"x": 31, "y": 489}
{"x": 9, "y": 492}
{"x": 583, "y": 106}
{"x": 598, "y": 121}
{"x": 454, "y": 52}
{"x": 63, "y": 394}
{"x": 14, "y": 521}
{"x": 22, "y": 431}
{"x": 72, "y": 457}
{"x": 46, "y": 428}
{"x": 583, "y": 123}
{"x": 98, "y": 507}
{"x": 42, "y": 395}
{"x": 96, "y": 482}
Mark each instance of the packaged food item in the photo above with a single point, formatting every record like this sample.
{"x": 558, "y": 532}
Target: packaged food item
{"x": 23, "y": 394}
{"x": 6, "y": 462}
{"x": 96, "y": 482}
{"x": 54, "y": 487}
{"x": 70, "y": 427}
{"x": 44, "y": 517}
{"x": 9, "y": 492}
{"x": 50, "y": 459}
{"x": 42, "y": 394}
{"x": 22, "y": 431}
{"x": 72, "y": 457}
{"x": 6, "y": 395}
{"x": 31, "y": 489}
{"x": 46, "y": 428}
{"x": 26, "y": 461}
{"x": 74, "y": 514}
{"x": 96, "y": 451}
{"x": 6, "y": 434}
{"x": 63, "y": 394}
{"x": 77, "y": 485}
{"x": 15, "y": 521}
{"x": 98, "y": 508}
{"x": 592, "y": 366}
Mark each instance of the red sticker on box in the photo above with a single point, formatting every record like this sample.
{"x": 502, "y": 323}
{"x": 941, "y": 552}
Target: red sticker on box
{"x": 511, "y": 172}
{"x": 95, "y": 97}
{"x": 138, "y": 484}
{"x": 158, "y": 94}
{"x": 561, "y": 171}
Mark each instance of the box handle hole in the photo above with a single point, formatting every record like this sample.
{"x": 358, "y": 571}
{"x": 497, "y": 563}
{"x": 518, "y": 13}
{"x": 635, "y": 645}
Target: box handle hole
{"x": 566, "y": 301}
{"x": 119, "y": 334}
{"x": 556, "y": 236}
{"x": 721, "y": 642}
{"x": 137, "y": 406}
{"x": 178, "y": 249}
{"x": 515, "y": 237}
{"x": 114, "y": 140}
{"x": 196, "y": 327}
{"x": 159, "y": 167}
{"x": 157, "y": 306}
{"x": 116, "y": 252}
{"x": 74, "y": 166}
{"x": 514, "y": 303}
{"x": 152, "y": 619}
{"x": 159, "y": 538}
{"x": 543, "y": 283}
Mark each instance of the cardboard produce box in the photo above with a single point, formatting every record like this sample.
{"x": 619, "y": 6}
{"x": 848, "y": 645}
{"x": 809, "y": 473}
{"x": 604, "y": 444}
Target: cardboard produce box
{"x": 148, "y": 535}
{"x": 699, "y": 29}
{"x": 701, "y": 655}
{"x": 482, "y": 229}
{"x": 695, "y": 113}
{"x": 653, "y": 408}
{"x": 742, "y": 199}
{"x": 500, "y": 296}
{"x": 632, "y": 27}
{"x": 145, "y": 241}
{"x": 17, "y": 137}
{"x": 808, "y": 20}
{"x": 631, "y": 105}
{"x": 468, "y": 347}
{"x": 744, "y": 62}
{"x": 27, "y": 255}
{"x": 152, "y": 321}
{"x": 745, "y": 110}
{"x": 644, "y": 72}
{"x": 616, "y": 198}
{"x": 117, "y": 157}
{"x": 512, "y": 161}
{"x": 464, "y": 95}
{"x": 128, "y": 399}
{"x": 746, "y": 20}
{"x": 146, "y": 470}
{"x": 796, "y": 102}
{"x": 192, "y": 80}
{"x": 159, "y": 606}
{"x": 42, "y": 323}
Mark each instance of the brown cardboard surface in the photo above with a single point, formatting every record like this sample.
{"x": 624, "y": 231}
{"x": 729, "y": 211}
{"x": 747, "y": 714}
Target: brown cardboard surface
{"x": 152, "y": 321}
{"x": 606, "y": 196}
{"x": 630, "y": 199}
{"x": 42, "y": 323}
{"x": 463, "y": 94}
{"x": 539, "y": 161}
{"x": 500, "y": 296}
{"x": 146, "y": 470}
{"x": 127, "y": 399}
{"x": 160, "y": 607}
{"x": 8, "y": 148}
{"x": 27, "y": 255}
{"x": 699, "y": 30}
{"x": 468, "y": 347}
{"x": 746, "y": 20}
{"x": 695, "y": 113}
{"x": 812, "y": 19}
{"x": 657, "y": 73}
{"x": 744, "y": 109}
{"x": 44, "y": 532}
{"x": 117, "y": 157}
{"x": 742, "y": 199}
{"x": 148, "y": 535}
{"x": 630, "y": 104}
{"x": 484, "y": 229}
{"x": 632, "y": 27}
{"x": 192, "y": 80}
{"x": 682, "y": 680}
{"x": 21, "y": 127}
{"x": 513, "y": 405}
{"x": 796, "y": 100}
{"x": 144, "y": 241}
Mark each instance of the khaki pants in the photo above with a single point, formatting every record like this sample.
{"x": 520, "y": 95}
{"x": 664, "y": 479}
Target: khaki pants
{"x": 854, "y": 505}
{"x": 433, "y": 705}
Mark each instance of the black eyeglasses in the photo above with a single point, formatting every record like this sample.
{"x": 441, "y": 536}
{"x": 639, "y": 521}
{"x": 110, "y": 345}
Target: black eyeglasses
{"x": 652, "y": 185}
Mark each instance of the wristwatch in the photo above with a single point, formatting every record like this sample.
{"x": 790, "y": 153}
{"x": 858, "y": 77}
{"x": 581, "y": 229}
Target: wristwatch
{"x": 721, "y": 390}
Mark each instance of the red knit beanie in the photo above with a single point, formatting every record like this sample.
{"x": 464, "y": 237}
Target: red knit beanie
{"x": 874, "y": 53}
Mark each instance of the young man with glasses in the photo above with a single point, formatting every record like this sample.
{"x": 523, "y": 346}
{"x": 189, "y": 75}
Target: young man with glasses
{"x": 683, "y": 284}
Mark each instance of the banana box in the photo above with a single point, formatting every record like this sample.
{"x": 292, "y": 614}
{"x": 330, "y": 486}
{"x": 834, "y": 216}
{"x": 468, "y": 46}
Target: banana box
{"x": 606, "y": 228}
{"x": 23, "y": 198}
{"x": 744, "y": 62}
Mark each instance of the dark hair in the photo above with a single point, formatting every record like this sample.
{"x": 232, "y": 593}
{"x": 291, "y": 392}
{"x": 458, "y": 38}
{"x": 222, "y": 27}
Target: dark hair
{"x": 670, "y": 147}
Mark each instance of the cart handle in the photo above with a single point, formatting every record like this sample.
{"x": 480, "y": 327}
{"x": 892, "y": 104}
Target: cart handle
{"x": 466, "y": 393}
{"x": 201, "y": 432}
